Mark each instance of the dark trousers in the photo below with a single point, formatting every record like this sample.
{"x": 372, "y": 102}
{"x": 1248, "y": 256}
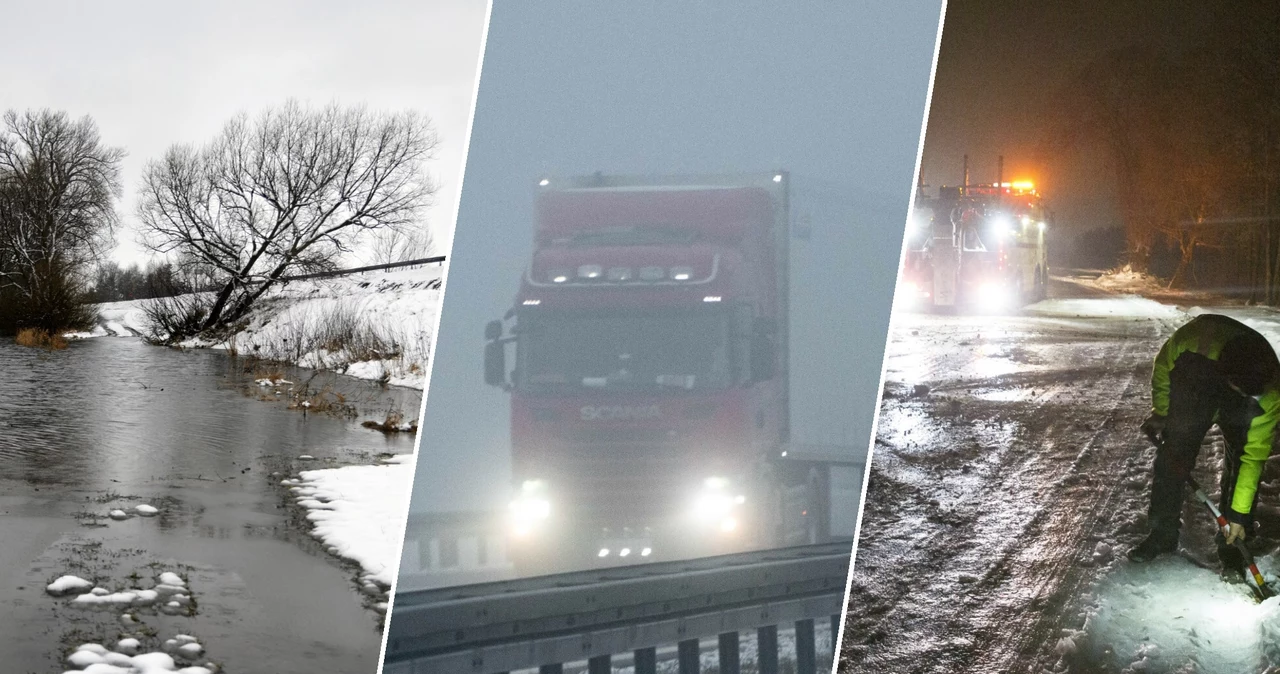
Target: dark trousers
{"x": 1197, "y": 394}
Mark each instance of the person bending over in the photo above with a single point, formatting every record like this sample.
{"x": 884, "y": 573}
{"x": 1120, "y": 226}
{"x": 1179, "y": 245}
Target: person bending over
{"x": 1214, "y": 369}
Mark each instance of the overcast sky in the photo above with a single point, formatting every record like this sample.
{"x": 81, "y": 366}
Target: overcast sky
{"x": 832, "y": 91}
{"x": 156, "y": 73}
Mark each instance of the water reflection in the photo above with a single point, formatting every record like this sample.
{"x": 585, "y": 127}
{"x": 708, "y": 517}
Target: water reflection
{"x": 113, "y": 423}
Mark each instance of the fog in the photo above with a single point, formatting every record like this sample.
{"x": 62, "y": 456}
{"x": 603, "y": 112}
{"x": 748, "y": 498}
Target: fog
{"x": 832, "y": 93}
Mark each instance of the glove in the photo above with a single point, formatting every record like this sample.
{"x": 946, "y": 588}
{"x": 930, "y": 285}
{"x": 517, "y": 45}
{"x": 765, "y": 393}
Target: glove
{"x": 1153, "y": 427}
{"x": 1234, "y": 533}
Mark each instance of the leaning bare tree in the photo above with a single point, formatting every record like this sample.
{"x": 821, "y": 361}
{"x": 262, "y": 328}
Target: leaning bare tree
{"x": 286, "y": 192}
{"x": 58, "y": 185}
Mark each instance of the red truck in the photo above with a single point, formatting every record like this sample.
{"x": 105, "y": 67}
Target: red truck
{"x": 649, "y": 390}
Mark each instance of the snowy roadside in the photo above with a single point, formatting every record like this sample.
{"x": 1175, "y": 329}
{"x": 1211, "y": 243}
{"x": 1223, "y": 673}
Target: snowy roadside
{"x": 358, "y": 513}
{"x": 375, "y": 326}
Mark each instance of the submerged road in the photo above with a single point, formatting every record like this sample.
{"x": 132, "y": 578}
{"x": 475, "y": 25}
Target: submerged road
{"x": 1007, "y": 482}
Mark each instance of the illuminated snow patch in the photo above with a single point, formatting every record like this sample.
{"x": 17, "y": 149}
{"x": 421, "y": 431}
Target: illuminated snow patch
{"x": 1172, "y": 616}
{"x": 1126, "y": 306}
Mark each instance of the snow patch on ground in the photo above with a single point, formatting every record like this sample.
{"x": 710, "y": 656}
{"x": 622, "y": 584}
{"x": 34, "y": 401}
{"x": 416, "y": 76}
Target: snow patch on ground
{"x": 1124, "y": 306}
{"x": 397, "y": 307}
{"x": 358, "y": 512}
{"x": 1128, "y": 281}
{"x": 1173, "y": 616}
{"x": 97, "y": 659}
{"x": 67, "y": 585}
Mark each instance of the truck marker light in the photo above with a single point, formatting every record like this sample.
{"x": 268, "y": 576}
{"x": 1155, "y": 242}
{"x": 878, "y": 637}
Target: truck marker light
{"x": 544, "y": 182}
{"x": 624, "y": 552}
{"x": 532, "y": 303}
{"x": 646, "y": 552}
{"x": 711, "y": 298}
{"x": 604, "y": 552}
{"x": 681, "y": 273}
{"x": 777, "y": 178}
{"x": 619, "y": 274}
{"x": 591, "y": 271}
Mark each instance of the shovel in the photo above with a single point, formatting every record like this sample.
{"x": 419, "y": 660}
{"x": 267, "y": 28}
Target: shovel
{"x": 1259, "y": 585}
{"x": 1256, "y": 582}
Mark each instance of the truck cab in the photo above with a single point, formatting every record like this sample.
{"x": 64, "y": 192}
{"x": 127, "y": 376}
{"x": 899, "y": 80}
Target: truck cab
{"x": 645, "y": 358}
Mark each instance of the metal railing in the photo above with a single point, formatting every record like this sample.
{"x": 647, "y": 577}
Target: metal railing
{"x": 438, "y": 259}
{"x": 635, "y": 613}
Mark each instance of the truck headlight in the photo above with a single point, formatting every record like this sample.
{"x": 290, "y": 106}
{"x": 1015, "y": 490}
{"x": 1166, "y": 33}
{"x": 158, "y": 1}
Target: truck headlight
{"x": 717, "y": 505}
{"x": 530, "y": 508}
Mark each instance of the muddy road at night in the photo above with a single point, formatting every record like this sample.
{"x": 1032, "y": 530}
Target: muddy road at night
{"x": 92, "y": 435}
{"x": 1009, "y": 478}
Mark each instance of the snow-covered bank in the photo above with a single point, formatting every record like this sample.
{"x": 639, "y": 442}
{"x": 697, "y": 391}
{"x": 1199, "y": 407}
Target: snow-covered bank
{"x": 373, "y": 326}
{"x": 358, "y": 511}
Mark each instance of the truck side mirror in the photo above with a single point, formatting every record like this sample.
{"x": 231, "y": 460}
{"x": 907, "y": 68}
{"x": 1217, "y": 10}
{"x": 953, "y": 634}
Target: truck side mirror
{"x": 764, "y": 353}
{"x": 495, "y": 363}
{"x": 493, "y": 330}
{"x": 495, "y": 355}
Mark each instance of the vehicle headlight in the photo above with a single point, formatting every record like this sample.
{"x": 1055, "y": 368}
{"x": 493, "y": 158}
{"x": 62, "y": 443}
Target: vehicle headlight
{"x": 717, "y": 505}
{"x": 530, "y": 508}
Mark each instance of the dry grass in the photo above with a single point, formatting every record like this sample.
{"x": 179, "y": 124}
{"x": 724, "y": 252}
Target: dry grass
{"x": 41, "y": 339}
{"x": 393, "y": 423}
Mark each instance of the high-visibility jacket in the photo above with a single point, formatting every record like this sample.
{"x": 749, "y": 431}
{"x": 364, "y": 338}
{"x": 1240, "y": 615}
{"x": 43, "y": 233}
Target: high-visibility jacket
{"x": 1206, "y": 335}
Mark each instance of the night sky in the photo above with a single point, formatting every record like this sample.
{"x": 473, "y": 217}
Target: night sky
{"x": 1003, "y": 66}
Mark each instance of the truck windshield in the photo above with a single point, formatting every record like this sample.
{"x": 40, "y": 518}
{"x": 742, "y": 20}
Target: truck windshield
{"x": 561, "y": 351}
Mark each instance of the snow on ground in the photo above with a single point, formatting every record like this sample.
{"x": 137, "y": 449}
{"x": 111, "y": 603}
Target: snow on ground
{"x": 1124, "y": 306}
{"x": 373, "y": 326}
{"x": 97, "y": 659}
{"x": 1171, "y": 615}
{"x": 358, "y": 511}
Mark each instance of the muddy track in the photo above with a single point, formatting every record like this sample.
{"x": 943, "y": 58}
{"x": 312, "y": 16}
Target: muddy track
{"x": 990, "y": 491}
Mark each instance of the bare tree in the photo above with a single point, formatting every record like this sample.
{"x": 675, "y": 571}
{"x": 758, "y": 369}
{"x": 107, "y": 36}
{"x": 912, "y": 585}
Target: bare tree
{"x": 288, "y": 191}
{"x": 393, "y": 245}
{"x": 58, "y": 186}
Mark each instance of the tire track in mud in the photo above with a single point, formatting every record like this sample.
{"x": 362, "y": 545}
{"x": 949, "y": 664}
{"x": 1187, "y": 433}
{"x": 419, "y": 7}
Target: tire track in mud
{"x": 990, "y": 572}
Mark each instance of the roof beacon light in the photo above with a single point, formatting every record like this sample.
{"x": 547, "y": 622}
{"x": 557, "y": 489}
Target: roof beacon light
{"x": 559, "y": 275}
{"x": 711, "y": 298}
{"x": 544, "y": 182}
{"x": 532, "y": 303}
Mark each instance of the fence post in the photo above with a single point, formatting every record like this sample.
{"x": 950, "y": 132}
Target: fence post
{"x": 729, "y": 656}
{"x": 690, "y": 654}
{"x": 806, "y": 649}
{"x": 646, "y": 660}
{"x": 767, "y": 649}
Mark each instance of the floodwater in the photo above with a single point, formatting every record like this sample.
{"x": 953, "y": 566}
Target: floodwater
{"x": 112, "y": 423}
